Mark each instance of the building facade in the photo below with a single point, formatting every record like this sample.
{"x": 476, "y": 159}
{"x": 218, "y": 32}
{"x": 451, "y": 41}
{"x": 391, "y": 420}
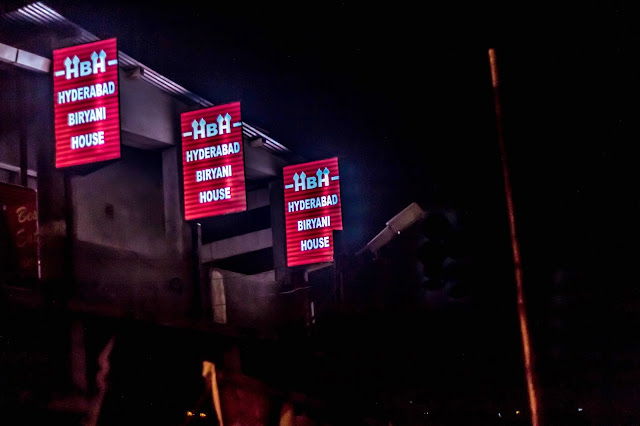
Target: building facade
{"x": 114, "y": 245}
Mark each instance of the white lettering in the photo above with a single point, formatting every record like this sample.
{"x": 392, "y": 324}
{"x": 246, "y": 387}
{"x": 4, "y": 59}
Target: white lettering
{"x": 86, "y": 92}
{"x": 314, "y": 243}
{"x": 198, "y": 128}
{"x": 302, "y": 182}
{"x": 215, "y": 195}
{"x": 213, "y": 173}
{"x": 323, "y": 177}
{"x": 299, "y": 182}
{"x": 224, "y": 123}
{"x": 98, "y": 61}
{"x": 212, "y": 130}
{"x": 71, "y": 66}
{"x": 85, "y": 68}
{"x": 88, "y": 116}
{"x": 74, "y": 68}
{"x": 213, "y": 151}
{"x": 87, "y": 140}
{"x": 312, "y": 203}
{"x": 312, "y": 182}
{"x": 317, "y": 222}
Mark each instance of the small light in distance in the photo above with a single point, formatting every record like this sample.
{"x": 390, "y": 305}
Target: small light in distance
{"x": 579, "y": 409}
{"x": 203, "y": 415}
{"x": 500, "y": 415}
{"x": 189, "y": 413}
{"x": 517, "y": 411}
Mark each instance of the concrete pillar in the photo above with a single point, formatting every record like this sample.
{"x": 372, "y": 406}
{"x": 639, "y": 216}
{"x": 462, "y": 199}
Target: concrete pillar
{"x": 276, "y": 195}
{"x": 173, "y": 222}
{"x": 218, "y": 298}
{"x": 53, "y": 211}
{"x": 78, "y": 356}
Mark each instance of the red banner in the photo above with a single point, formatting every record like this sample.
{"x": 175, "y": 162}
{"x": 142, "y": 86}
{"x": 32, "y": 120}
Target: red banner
{"x": 86, "y": 107}
{"x": 213, "y": 161}
{"x": 19, "y": 233}
{"x": 312, "y": 208}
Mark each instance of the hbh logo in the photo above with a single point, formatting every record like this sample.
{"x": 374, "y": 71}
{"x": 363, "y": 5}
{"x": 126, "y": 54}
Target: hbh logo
{"x": 302, "y": 182}
{"x": 75, "y": 68}
{"x": 201, "y": 128}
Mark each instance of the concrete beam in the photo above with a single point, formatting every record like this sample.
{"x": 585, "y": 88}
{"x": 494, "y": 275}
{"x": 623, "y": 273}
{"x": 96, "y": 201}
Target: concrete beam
{"x": 258, "y": 198}
{"x": 23, "y": 59}
{"x": 260, "y": 163}
{"x": 33, "y": 62}
{"x": 8, "y": 53}
{"x": 16, "y": 169}
{"x": 233, "y": 246}
{"x": 149, "y": 117}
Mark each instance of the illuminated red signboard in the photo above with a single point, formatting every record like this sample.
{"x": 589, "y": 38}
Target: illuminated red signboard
{"x": 18, "y": 234}
{"x": 213, "y": 161}
{"x": 312, "y": 208}
{"x": 86, "y": 109}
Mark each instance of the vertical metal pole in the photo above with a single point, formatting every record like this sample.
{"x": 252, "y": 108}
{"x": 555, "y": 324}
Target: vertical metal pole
{"x": 68, "y": 260}
{"x": 22, "y": 136}
{"x": 23, "y": 158}
{"x": 522, "y": 313}
{"x": 196, "y": 247}
{"x": 337, "y": 263}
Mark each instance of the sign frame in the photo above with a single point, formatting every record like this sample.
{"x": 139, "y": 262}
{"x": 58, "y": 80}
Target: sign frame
{"x": 87, "y": 165}
{"x": 227, "y": 143}
{"x": 323, "y": 206}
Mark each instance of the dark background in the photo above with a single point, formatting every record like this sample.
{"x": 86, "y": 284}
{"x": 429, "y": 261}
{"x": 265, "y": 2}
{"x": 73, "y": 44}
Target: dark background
{"x": 401, "y": 93}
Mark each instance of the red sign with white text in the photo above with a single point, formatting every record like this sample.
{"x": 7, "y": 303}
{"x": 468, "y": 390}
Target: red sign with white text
{"x": 86, "y": 107}
{"x": 312, "y": 209}
{"x": 18, "y": 234}
{"x": 213, "y": 161}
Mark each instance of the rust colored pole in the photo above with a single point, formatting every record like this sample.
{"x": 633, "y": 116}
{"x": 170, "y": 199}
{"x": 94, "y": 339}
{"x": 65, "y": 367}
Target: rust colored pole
{"x": 522, "y": 312}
